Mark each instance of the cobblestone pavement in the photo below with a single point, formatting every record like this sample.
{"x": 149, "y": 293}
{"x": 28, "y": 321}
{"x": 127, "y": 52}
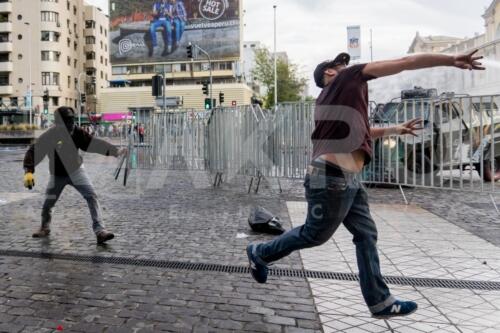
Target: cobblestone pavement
{"x": 175, "y": 216}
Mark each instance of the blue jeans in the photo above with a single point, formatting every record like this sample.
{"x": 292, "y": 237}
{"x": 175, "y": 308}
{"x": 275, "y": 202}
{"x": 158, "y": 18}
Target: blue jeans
{"x": 179, "y": 29}
{"x": 81, "y": 182}
{"x": 167, "y": 31}
{"x": 331, "y": 201}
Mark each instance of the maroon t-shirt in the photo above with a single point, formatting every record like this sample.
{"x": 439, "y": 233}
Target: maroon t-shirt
{"x": 341, "y": 115}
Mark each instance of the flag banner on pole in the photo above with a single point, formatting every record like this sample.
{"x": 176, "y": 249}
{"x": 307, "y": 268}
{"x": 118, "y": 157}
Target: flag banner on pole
{"x": 354, "y": 41}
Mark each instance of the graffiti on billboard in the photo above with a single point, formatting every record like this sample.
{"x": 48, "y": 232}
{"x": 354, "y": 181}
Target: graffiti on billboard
{"x": 160, "y": 30}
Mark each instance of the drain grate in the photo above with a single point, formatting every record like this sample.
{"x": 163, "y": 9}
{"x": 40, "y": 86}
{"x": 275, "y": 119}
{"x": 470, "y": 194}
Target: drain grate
{"x": 233, "y": 269}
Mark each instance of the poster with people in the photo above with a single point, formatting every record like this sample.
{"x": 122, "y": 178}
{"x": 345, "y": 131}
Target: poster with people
{"x": 160, "y": 30}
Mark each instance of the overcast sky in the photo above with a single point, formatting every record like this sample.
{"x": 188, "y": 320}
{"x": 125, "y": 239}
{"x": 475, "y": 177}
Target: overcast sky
{"x": 311, "y": 31}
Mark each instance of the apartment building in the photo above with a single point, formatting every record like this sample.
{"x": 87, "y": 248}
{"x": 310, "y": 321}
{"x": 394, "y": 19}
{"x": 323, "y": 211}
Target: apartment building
{"x": 46, "y": 47}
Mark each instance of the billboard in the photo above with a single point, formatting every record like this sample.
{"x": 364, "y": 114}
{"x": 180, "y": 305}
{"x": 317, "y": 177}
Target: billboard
{"x": 354, "y": 41}
{"x": 160, "y": 30}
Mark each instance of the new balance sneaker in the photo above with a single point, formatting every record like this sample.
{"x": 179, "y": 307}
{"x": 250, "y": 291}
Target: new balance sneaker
{"x": 104, "y": 236}
{"x": 41, "y": 233}
{"x": 397, "y": 309}
{"x": 258, "y": 269}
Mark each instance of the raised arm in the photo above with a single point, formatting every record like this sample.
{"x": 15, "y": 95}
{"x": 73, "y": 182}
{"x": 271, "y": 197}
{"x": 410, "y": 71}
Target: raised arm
{"x": 420, "y": 61}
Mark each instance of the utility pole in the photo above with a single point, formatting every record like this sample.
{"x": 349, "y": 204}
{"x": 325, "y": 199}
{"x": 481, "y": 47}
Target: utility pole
{"x": 275, "y": 65}
{"x": 211, "y": 78}
{"x": 371, "y": 45}
{"x": 30, "y": 78}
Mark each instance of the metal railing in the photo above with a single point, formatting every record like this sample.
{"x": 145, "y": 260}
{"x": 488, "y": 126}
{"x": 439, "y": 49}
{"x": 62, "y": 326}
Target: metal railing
{"x": 459, "y": 147}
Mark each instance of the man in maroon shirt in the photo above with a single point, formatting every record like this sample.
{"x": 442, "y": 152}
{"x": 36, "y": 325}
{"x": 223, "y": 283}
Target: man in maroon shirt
{"x": 342, "y": 146}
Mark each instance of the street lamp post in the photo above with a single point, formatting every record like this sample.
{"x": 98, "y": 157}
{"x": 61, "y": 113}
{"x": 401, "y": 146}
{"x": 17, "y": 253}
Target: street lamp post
{"x": 275, "y": 65}
{"x": 30, "y": 78}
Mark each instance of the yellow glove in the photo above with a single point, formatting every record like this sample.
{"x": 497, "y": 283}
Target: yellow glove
{"x": 29, "y": 180}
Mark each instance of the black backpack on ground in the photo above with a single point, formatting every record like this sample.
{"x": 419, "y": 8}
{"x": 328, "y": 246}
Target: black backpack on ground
{"x": 261, "y": 220}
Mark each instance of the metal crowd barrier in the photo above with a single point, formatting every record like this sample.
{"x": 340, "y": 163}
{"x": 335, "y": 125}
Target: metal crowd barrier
{"x": 459, "y": 147}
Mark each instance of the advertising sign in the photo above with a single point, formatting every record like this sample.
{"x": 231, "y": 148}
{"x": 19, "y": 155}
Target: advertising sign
{"x": 160, "y": 30}
{"x": 354, "y": 41}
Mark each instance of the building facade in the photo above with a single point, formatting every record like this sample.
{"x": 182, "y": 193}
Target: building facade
{"x": 43, "y": 50}
{"x": 145, "y": 43}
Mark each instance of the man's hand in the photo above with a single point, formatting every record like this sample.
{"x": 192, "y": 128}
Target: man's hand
{"x": 468, "y": 61}
{"x": 29, "y": 180}
{"x": 410, "y": 127}
{"x": 121, "y": 152}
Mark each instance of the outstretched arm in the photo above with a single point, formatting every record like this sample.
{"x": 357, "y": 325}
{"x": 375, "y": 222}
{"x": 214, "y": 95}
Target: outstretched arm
{"x": 420, "y": 61}
{"x": 409, "y": 127}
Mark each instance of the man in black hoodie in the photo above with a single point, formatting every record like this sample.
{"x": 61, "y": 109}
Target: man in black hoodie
{"x": 61, "y": 144}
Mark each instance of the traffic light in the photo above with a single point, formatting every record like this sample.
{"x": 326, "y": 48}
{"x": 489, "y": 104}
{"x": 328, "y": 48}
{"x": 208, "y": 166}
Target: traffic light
{"x": 189, "y": 50}
{"x": 83, "y": 98}
{"x": 208, "y": 105}
{"x": 157, "y": 83}
{"x": 221, "y": 98}
{"x": 205, "y": 88}
{"x": 45, "y": 109}
{"x": 46, "y": 96}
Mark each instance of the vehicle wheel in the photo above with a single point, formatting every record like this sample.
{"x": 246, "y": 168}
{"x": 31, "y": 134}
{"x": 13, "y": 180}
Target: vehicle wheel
{"x": 491, "y": 174}
{"x": 422, "y": 167}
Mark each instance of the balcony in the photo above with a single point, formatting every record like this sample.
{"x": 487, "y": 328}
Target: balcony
{"x": 6, "y": 47}
{"x": 6, "y": 7}
{"x": 6, "y": 66}
{"x": 6, "y": 27}
{"x": 91, "y": 63}
{"x": 6, "y": 90}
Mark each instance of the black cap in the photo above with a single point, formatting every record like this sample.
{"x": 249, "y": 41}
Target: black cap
{"x": 341, "y": 59}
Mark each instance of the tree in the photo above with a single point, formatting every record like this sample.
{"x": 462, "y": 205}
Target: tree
{"x": 290, "y": 85}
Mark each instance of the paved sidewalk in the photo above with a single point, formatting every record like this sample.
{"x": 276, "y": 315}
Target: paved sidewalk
{"x": 413, "y": 243}
{"x": 178, "y": 217}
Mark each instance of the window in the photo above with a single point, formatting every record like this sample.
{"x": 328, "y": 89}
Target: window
{"x": 147, "y": 69}
{"x": 4, "y": 17}
{"x": 19, "y": 36}
{"x": 100, "y": 28}
{"x": 4, "y": 56}
{"x": 89, "y": 24}
{"x": 106, "y": 47}
{"x": 183, "y": 68}
{"x": 4, "y": 79}
{"x": 68, "y": 61}
{"x": 105, "y": 32}
{"x": 119, "y": 70}
{"x": 102, "y": 75}
{"x": 89, "y": 40}
{"x": 101, "y": 60}
{"x": 56, "y": 1}
{"x": 90, "y": 55}
{"x": 75, "y": 46}
{"x": 51, "y": 55}
{"x": 20, "y": 80}
{"x": 55, "y": 101}
{"x": 14, "y": 101}
{"x": 50, "y": 36}
{"x": 4, "y": 37}
{"x": 106, "y": 61}
{"x": 68, "y": 6}
{"x": 50, "y": 79}
{"x": 68, "y": 41}
{"x": 101, "y": 45}
{"x": 69, "y": 81}
{"x": 19, "y": 17}
{"x": 20, "y": 56}
{"x": 68, "y": 24}
{"x": 75, "y": 63}
{"x": 91, "y": 71}
{"x": 50, "y": 16}
{"x": 74, "y": 10}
